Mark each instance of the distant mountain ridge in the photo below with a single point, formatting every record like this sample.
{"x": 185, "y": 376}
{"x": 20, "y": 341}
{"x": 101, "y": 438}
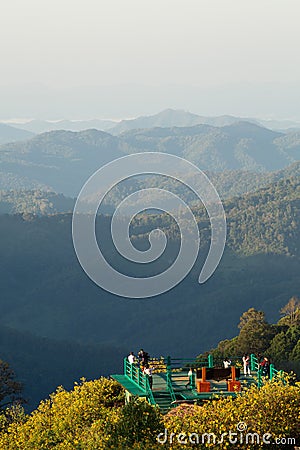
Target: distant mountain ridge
{"x": 169, "y": 118}
{"x": 180, "y": 118}
{"x": 164, "y": 119}
{"x": 63, "y": 160}
{"x": 229, "y": 184}
{"x": 10, "y": 133}
{"x": 42, "y": 126}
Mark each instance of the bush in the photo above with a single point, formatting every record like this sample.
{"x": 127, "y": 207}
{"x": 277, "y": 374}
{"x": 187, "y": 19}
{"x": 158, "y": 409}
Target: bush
{"x": 138, "y": 425}
{"x": 272, "y": 409}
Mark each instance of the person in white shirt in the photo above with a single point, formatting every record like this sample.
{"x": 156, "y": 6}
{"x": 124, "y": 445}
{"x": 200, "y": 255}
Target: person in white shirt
{"x": 226, "y": 363}
{"x": 191, "y": 379}
{"x": 148, "y": 373}
{"x": 246, "y": 363}
{"x": 131, "y": 358}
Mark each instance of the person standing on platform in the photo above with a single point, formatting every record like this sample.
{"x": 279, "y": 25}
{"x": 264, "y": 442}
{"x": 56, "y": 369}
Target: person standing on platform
{"x": 148, "y": 373}
{"x": 131, "y": 358}
{"x": 226, "y": 363}
{"x": 191, "y": 379}
{"x": 265, "y": 366}
{"x": 246, "y": 364}
{"x": 143, "y": 358}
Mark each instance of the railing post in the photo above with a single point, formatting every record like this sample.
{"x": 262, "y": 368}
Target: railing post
{"x": 281, "y": 377}
{"x": 168, "y": 368}
{"x": 259, "y": 378}
{"x": 125, "y": 367}
{"x": 253, "y": 360}
{"x": 169, "y": 379}
{"x": 168, "y": 363}
{"x": 210, "y": 361}
{"x": 272, "y": 371}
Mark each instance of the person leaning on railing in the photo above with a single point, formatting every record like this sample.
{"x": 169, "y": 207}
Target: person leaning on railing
{"x": 131, "y": 358}
{"x": 143, "y": 358}
{"x": 148, "y": 373}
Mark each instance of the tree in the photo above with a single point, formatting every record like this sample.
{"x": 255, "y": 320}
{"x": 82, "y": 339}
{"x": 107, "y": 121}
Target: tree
{"x": 291, "y": 312}
{"x": 282, "y": 345}
{"x": 252, "y": 315}
{"x": 256, "y": 334}
{"x": 78, "y": 419}
{"x": 139, "y": 423}
{"x": 10, "y": 389}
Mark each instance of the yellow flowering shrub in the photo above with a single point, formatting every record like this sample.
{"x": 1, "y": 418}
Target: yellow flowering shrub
{"x": 81, "y": 418}
{"x": 260, "y": 418}
{"x": 90, "y": 418}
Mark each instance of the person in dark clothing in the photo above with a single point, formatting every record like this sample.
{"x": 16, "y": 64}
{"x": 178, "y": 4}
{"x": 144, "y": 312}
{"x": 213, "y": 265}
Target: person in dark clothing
{"x": 140, "y": 354}
{"x": 143, "y": 358}
{"x": 265, "y": 367}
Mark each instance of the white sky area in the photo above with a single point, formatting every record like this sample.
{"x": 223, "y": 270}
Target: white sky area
{"x": 62, "y": 44}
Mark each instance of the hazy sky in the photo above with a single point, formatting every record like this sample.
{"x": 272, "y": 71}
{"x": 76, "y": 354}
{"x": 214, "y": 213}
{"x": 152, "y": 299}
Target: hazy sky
{"x": 64, "y": 44}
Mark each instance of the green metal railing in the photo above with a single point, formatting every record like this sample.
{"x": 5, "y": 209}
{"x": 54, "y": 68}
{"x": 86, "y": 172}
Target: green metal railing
{"x": 185, "y": 363}
{"x": 255, "y": 367}
{"x": 254, "y": 363}
{"x": 136, "y": 375}
{"x": 274, "y": 373}
{"x": 149, "y": 392}
{"x": 169, "y": 379}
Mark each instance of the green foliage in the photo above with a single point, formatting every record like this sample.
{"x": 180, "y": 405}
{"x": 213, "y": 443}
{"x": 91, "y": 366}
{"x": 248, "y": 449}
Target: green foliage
{"x": 255, "y": 333}
{"x": 37, "y": 202}
{"x": 63, "y": 160}
{"x": 87, "y": 418}
{"x": 279, "y": 342}
{"x": 139, "y": 422}
{"x": 42, "y": 284}
{"x": 266, "y": 221}
{"x": 283, "y": 344}
{"x": 12, "y": 414}
{"x": 291, "y": 312}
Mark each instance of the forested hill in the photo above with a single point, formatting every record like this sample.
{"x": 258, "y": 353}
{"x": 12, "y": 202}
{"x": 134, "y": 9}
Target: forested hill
{"x": 36, "y": 202}
{"x": 62, "y": 161}
{"x": 45, "y": 292}
{"x": 229, "y": 184}
{"x": 265, "y": 221}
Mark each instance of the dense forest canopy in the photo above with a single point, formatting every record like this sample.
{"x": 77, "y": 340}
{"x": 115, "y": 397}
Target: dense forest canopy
{"x": 54, "y": 316}
{"x": 61, "y": 161}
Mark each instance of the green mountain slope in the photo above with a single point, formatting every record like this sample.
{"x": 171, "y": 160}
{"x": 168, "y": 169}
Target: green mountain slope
{"x": 63, "y": 160}
{"x": 34, "y": 202}
{"x": 44, "y": 291}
